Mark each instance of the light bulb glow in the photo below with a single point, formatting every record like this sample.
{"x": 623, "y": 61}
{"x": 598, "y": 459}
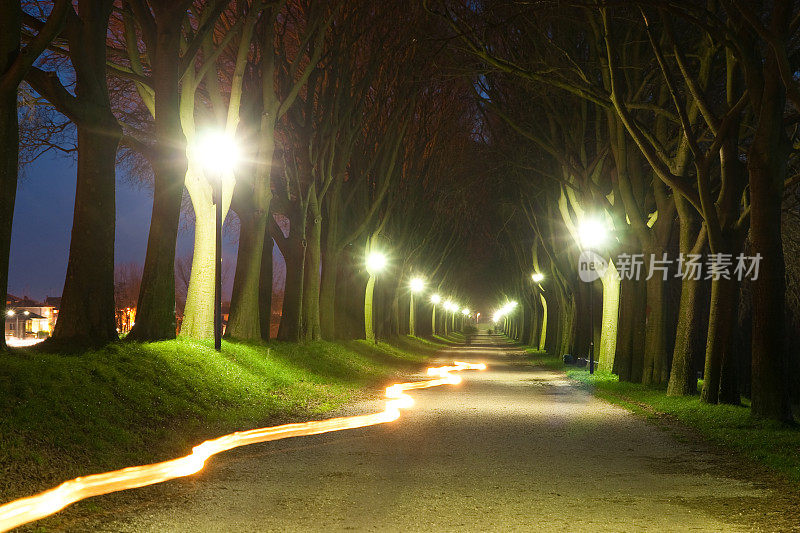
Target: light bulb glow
{"x": 217, "y": 152}
{"x": 376, "y": 261}
{"x": 465, "y": 312}
{"x": 537, "y": 277}
{"x": 417, "y": 284}
{"x": 592, "y": 233}
{"x": 436, "y": 299}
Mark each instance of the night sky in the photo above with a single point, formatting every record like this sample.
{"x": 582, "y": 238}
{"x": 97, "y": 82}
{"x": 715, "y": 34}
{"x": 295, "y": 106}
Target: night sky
{"x": 43, "y": 222}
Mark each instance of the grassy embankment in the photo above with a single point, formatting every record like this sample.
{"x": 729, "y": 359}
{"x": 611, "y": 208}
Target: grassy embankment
{"x": 64, "y": 415}
{"x": 774, "y": 445}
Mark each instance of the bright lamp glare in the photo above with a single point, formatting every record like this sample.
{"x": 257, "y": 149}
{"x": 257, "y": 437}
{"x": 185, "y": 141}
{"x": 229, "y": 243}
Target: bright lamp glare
{"x": 218, "y": 152}
{"x": 592, "y": 233}
{"x": 417, "y": 284}
{"x": 10, "y": 313}
{"x": 465, "y": 312}
{"x": 537, "y": 277}
{"x": 376, "y": 262}
{"x": 435, "y": 299}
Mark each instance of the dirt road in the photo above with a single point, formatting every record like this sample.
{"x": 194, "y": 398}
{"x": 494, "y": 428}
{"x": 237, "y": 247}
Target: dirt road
{"x": 512, "y": 448}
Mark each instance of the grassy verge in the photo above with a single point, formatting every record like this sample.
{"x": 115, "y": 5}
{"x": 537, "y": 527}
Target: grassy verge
{"x": 64, "y": 415}
{"x": 774, "y": 445}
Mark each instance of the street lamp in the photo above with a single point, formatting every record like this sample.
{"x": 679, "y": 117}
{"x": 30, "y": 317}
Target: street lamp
{"x": 435, "y": 299}
{"x": 592, "y": 233}
{"x": 537, "y": 277}
{"x": 375, "y": 262}
{"x": 218, "y": 153}
{"x": 416, "y": 285}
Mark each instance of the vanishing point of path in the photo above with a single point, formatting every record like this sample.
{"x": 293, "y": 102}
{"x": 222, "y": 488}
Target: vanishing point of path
{"x": 513, "y": 448}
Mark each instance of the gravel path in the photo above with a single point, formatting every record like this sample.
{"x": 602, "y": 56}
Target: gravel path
{"x": 513, "y": 448}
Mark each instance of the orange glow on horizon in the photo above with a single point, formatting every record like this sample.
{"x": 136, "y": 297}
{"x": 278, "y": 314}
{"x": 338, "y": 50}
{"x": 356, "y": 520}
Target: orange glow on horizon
{"x": 31, "y": 508}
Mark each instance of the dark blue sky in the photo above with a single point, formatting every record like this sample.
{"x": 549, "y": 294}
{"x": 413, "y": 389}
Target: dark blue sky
{"x": 43, "y": 222}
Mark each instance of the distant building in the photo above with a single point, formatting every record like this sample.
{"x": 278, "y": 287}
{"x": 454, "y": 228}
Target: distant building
{"x": 28, "y": 320}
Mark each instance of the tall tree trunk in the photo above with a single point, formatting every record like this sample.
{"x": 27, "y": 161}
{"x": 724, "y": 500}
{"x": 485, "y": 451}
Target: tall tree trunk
{"x": 244, "y": 320}
{"x": 609, "y": 319}
{"x": 655, "y": 364}
{"x": 9, "y": 161}
{"x": 682, "y": 378}
{"x": 291, "y": 315}
{"x": 767, "y": 169}
{"x": 627, "y": 309}
{"x": 265, "y": 287}
{"x": 198, "y": 317}
{"x": 327, "y": 293}
{"x": 155, "y": 310}
{"x": 722, "y": 308}
{"x": 86, "y": 315}
{"x": 310, "y": 326}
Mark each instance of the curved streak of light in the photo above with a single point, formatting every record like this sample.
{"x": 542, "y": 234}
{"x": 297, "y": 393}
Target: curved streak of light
{"x": 31, "y": 508}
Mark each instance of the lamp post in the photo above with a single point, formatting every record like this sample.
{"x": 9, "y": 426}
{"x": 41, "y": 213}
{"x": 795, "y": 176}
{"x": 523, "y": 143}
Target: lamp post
{"x": 375, "y": 262}
{"x": 592, "y": 233}
{"x": 435, "y": 299}
{"x": 416, "y": 285}
{"x": 219, "y": 154}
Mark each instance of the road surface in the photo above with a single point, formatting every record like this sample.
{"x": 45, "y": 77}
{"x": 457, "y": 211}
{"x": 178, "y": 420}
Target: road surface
{"x": 514, "y": 448}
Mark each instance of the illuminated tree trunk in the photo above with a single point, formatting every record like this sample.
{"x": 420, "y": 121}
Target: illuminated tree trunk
{"x": 198, "y": 317}
{"x": 155, "y": 310}
{"x": 411, "y": 317}
{"x": 369, "y": 330}
{"x": 609, "y": 321}
{"x": 543, "y": 333}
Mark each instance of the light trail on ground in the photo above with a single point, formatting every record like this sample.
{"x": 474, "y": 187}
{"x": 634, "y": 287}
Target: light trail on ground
{"x": 31, "y": 508}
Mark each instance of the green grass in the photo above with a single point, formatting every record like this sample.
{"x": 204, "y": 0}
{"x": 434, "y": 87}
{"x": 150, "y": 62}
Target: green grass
{"x": 770, "y": 443}
{"x": 63, "y": 415}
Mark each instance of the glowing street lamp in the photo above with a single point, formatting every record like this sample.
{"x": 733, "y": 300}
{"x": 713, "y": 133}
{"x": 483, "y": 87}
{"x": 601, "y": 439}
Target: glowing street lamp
{"x": 537, "y": 277}
{"x": 416, "y": 285}
{"x": 435, "y": 300}
{"x": 218, "y": 153}
{"x": 592, "y": 234}
{"x": 375, "y": 262}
